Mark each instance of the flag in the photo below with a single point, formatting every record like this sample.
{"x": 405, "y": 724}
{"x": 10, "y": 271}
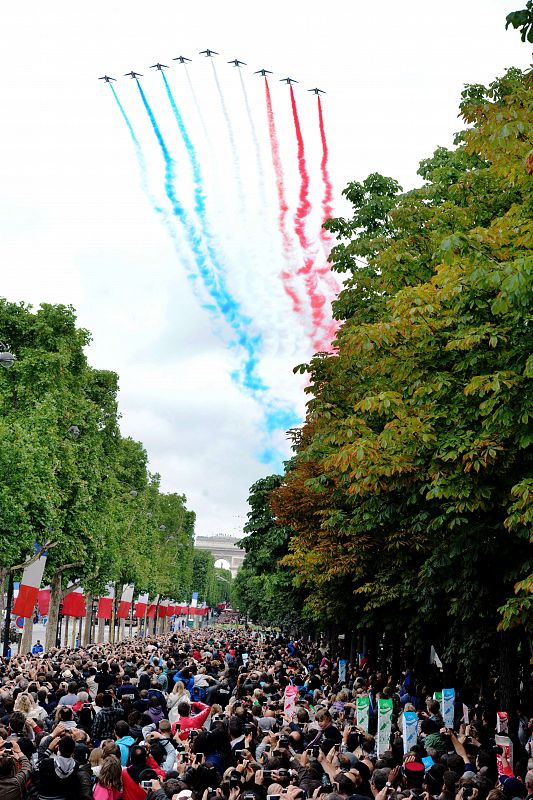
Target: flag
{"x": 74, "y": 604}
{"x": 194, "y": 601}
{"x": 162, "y": 609}
{"x": 43, "y": 602}
{"x": 29, "y": 588}
{"x": 152, "y": 608}
{"x": 141, "y": 606}
{"x": 105, "y": 604}
{"x": 124, "y": 607}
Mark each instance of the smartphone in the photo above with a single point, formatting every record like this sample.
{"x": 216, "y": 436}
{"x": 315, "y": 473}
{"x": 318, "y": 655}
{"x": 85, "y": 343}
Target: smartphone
{"x": 181, "y": 758}
{"x": 8, "y": 745}
{"x": 198, "y": 758}
{"x": 238, "y": 753}
{"x": 273, "y": 797}
{"x": 336, "y": 748}
{"x": 316, "y": 750}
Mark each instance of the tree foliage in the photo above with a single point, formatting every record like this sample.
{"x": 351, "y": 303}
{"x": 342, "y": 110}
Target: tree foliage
{"x": 263, "y": 588}
{"x": 90, "y": 495}
{"x": 410, "y": 494}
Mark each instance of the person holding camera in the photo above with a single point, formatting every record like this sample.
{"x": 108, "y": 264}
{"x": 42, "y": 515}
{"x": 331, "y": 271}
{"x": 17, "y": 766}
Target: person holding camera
{"x": 15, "y": 771}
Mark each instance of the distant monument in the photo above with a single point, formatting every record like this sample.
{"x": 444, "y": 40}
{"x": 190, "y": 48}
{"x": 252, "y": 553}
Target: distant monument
{"x": 225, "y": 550}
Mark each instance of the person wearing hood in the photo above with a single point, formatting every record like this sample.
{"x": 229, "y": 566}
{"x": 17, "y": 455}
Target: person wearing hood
{"x": 124, "y": 740}
{"x": 58, "y": 770}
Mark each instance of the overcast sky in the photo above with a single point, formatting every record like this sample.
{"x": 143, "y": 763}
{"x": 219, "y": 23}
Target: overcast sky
{"x": 77, "y": 227}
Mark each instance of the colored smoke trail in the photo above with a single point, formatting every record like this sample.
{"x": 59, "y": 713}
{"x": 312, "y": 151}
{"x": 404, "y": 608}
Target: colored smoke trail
{"x": 229, "y": 126}
{"x": 316, "y": 298}
{"x": 327, "y": 204}
{"x": 287, "y": 275}
{"x": 260, "y": 171}
{"x": 197, "y": 104}
{"x": 226, "y": 305}
{"x": 199, "y": 198}
{"x": 146, "y": 188}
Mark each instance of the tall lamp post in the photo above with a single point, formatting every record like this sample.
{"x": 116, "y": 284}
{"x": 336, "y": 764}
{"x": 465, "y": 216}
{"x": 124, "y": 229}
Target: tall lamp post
{"x": 7, "y": 359}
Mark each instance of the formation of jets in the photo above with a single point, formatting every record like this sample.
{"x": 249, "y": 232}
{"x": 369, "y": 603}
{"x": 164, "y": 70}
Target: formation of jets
{"x": 209, "y": 54}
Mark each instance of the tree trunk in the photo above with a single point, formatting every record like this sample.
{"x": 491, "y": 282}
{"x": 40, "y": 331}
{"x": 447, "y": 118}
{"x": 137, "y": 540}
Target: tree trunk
{"x": 3, "y": 575}
{"x": 88, "y": 621}
{"x": 27, "y": 636}
{"x": 53, "y": 613}
{"x": 101, "y": 631}
{"x": 66, "y": 628}
{"x": 508, "y": 678}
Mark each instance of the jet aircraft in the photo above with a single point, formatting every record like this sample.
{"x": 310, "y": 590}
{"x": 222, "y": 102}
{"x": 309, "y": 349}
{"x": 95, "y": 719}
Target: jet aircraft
{"x": 288, "y": 80}
{"x": 317, "y": 91}
{"x": 106, "y": 78}
{"x": 263, "y": 72}
{"x": 159, "y": 66}
{"x": 133, "y": 74}
{"x": 208, "y": 53}
{"x": 237, "y": 63}
{"x": 181, "y": 59}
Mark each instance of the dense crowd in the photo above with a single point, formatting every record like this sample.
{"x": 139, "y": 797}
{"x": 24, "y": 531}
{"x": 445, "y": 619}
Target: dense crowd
{"x": 202, "y": 714}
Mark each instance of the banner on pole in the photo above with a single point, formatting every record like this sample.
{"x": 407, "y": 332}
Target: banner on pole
{"x": 410, "y": 730}
{"x": 447, "y": 707}
{"x": 384, "y": 725}
{"x": 363, "y": 712}
{"x": 30, "y": 584}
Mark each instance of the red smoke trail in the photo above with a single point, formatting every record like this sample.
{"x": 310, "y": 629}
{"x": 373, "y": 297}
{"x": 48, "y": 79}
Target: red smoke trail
{"x": 316, "y": 298}
{"x": 287, "y": 275}
{"x": 327, "y": 203}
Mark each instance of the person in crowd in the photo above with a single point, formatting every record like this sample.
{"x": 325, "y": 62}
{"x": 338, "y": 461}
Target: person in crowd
{"x": 99, "y": 722}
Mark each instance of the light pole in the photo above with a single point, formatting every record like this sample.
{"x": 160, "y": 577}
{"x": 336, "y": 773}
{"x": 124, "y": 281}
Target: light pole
{"x": 7, "y": 359}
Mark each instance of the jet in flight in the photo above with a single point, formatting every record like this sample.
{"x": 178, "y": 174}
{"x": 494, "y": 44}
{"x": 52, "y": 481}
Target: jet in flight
{"x": 288, "y": 80}
{"x": 133, "y": 74}
{"x": 106, "y": 78}
{"x": 263, "y": 72}
{"x": 208, "y": 53}
{"x": 159, "y": 66}
{"x": 181, "y": 59}
{"x": 237, "y": 63}
{"x": 317, "y": 91}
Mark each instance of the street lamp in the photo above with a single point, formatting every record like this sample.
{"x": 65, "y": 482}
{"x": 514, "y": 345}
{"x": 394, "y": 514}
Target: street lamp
{"x": 7, "y": 359}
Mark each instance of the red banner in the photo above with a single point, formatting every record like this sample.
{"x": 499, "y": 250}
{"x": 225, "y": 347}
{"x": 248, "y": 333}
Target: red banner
{"x": 124, "y": 608}
{"x": 24, "y": 604}
{"x": 170, "y": 611}
{"x": 44, "y": 602}
{"x": 151, "y": 611}
{"x": 140, "y": 608}
{"x": 161, "y": 611}
{"x": 74, "y": 605}
{"x": 105, "y": 606}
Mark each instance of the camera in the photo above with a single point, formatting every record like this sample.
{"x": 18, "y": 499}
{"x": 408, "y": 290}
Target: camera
{"x": 325, "y": 784}
{"x": 467, "y": 791}
{"x": 283, "y": 741}
{"x": 146, "y": 784}
{"x": 267, "y": 775}
{"x": 211, "y": 793}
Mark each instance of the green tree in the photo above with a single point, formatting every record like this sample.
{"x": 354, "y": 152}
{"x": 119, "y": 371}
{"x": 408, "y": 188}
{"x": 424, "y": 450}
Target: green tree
{"x": 415, "y": 463}
{"x": 263, "y": 589}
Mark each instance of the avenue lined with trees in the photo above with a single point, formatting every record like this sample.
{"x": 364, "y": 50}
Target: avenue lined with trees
{"x": 72, "y": 485}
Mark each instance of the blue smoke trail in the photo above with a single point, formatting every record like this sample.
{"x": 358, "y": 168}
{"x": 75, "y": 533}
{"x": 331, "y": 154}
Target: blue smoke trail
{"x": 225, "y": 303}
{"x": 152, "y": 199}
{"x": 233, "y": 146}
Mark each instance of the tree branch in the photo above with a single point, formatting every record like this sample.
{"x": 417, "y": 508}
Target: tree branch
{"x": 69, "y": 589}
{"x": 34, "y": 557}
